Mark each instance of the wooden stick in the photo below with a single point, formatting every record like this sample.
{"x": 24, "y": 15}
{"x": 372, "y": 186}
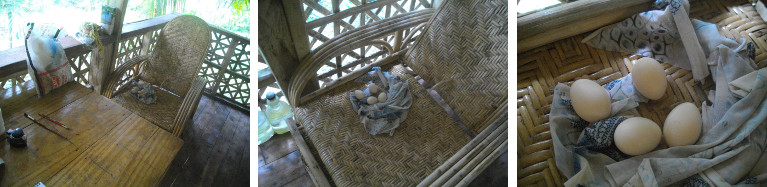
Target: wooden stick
{"x": 46, "y": 127}
{"x": 477, "y": 159}
{"x": 458, "y": 155}
{"x": 54, "y": 121}
{"x": 483, "y": 165}
{"x": 464, "y": 158}
{"x": 318, "y": 177}
{"x": 451, "y": 177}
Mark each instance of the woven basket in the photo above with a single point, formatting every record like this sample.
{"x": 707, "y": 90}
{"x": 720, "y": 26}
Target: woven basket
{"x": 540, "y": 69}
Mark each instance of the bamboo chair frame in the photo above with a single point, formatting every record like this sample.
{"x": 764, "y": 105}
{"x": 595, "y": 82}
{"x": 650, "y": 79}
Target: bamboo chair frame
{"x": 173, "y": 68}
{"x": 457, "y": 166}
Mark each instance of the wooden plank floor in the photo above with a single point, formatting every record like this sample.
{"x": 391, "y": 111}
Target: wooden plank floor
{"x": 216, "y": 148}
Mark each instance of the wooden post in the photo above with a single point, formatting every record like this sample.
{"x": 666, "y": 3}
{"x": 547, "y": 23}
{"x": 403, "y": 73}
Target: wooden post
{"x": 102, "y": 63}
{"x": 285, "y": 40}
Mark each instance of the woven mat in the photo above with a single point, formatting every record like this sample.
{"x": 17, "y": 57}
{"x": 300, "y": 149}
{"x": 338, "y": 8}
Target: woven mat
{"x": 540, "y": 69}
{"x": 465, "y": 52}
{"x": 355, "y": 158}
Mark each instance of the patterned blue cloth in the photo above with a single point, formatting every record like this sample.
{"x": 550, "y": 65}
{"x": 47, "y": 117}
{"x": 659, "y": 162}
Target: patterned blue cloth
{"x": 731, "y": 152}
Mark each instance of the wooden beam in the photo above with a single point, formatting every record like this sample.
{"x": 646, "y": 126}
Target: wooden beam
{"x": 297, "y": 25}
{"x": 102, "y": 63}
{"x": 276, "y": 42}
{"x": 573, "y": 18}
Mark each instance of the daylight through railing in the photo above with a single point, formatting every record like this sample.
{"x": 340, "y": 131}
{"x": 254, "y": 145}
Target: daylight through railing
{"x": 226, "y": 66}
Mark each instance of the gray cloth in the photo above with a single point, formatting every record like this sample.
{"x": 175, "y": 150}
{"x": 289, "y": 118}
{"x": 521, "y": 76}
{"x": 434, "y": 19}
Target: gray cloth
{"x": 384, "y": 116}
{"x": 730, "y": 150}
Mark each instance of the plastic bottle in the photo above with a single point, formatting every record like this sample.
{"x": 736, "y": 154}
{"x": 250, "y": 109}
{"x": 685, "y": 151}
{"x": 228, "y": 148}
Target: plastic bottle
{"x": 277, "y": 112}
{"x": 265, "y": 131}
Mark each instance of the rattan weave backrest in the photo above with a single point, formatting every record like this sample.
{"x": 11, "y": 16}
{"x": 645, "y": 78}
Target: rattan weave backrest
{"x": 464, "y": 51}
{"x": 180, "y": 49}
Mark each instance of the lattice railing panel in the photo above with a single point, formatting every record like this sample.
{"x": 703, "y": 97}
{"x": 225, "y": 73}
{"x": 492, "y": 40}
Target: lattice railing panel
{"x": 235, "y": 87}
{"x": 215, "y": 59}
{"x": 128, "y": 48}
{"x": 328, "y": 19}
{"x": 227, "y": 67}
{"x": 324, "y": 21}
{"x": 81, "y": 67}
{"x": 14, "y": 79}
{"x": 240, "y": 63}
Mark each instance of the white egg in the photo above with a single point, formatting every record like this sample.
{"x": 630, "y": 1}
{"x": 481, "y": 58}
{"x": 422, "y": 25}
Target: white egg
{"x": 590, "y": 101}
{"x": 382, "y": 97}
{"x": 372, "y": 100}
{"x": 637, "y": 135}
{"x": 359, "y": 94}
{"x": 649, "y": 78}
{"x": 373, "y": 88}
{"x": 682, "y": 126}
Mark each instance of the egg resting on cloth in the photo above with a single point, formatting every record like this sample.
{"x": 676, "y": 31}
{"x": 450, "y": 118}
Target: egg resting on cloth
{"x": 384, "y": 116}
{"x": 730, "y": 151}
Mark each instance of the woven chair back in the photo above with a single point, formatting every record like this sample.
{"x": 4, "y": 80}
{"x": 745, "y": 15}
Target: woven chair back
{"x": 464, "y": 52}
{"x": 178, "y": 55}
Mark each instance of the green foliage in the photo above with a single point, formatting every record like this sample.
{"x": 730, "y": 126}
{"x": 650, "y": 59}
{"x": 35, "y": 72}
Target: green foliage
{"x": 232, "y": 15}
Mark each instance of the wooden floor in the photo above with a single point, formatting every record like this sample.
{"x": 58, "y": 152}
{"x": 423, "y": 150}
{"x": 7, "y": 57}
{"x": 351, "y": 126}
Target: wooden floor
{"x": 216, "y": 148}
{"x": 279, "y": 164}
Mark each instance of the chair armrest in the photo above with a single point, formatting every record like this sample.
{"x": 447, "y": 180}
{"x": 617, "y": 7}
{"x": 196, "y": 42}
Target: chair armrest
{"x": 188, "y": 106}
{"x": 356, "y": 38}
{"x": 114, "y": 77}
{"x": 475, "y": 156}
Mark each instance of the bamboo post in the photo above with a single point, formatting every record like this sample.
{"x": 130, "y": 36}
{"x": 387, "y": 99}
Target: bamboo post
{"x": 103, "y": 62}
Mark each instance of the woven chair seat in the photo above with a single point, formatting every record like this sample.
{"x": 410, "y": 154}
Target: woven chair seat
{"x": 426, "y": 139}
{"x": 540, "y": 69}
{"x": 162, "y": 112}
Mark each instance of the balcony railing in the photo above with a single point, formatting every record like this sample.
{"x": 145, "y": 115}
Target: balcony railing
{"x": 226, "y": 66}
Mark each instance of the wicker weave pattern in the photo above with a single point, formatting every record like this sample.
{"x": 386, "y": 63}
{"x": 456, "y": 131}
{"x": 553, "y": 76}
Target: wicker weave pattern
{"x": 173, "y": 66}
{"x": 355, "y": 158}
{"x": 540, "y": 69}
{"x": 466, "y": 43}
{"x": 178, "y": 55}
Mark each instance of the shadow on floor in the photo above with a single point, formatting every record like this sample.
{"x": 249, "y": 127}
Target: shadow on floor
{"x": 216, "y": 148}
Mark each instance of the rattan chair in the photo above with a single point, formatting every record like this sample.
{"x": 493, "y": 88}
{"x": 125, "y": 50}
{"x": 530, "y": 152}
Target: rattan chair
{"x": 172, "y": 69}
{"x": 463, "y": 49}
{"x": 540, "y": 69}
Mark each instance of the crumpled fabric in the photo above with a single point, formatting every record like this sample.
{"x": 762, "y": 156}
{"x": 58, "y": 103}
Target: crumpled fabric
{"x": 731, "y": 149}
{"x": 657, "y": 34}
{"x": 384, "y": 116}
{"x": 729, "y": 152}
{"x": 742, "y": 86}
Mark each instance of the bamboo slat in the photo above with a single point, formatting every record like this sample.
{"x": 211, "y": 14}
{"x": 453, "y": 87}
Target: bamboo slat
{"x": 566, "y": 60}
